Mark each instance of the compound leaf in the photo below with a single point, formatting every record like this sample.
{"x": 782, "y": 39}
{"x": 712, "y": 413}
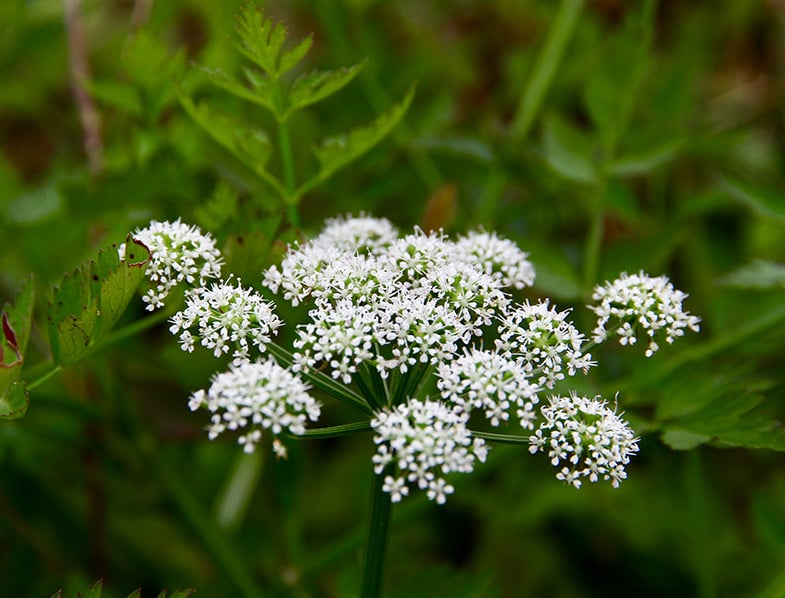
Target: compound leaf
{"x": 251, "y": 146}
{"x": 89, "y": 301}
{"x": 261, "y": 39}
{"x": 337, "y": 152}
{"x": 313, "y": 87}
{"x": 260, "y": 93}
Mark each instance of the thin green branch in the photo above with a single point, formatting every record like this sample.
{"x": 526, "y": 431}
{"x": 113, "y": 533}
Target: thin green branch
{"x": 501, "y": 438}
{"x": 335, "y": 431}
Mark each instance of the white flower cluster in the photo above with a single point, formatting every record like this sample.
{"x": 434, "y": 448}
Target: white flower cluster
{"x": 394, "y": 302}
{"x": 543, "y": 342}
{"x": 253, "y": 396}
{"x": 178, "y": 253}
{"x": 498, "y": 256}
{"x": 639, "y": 300}
{"x": 486, "y": 380}
{"x": 586, "y": 439}
{"x": 424, "y": 440}
{"x": 225, "y": 317}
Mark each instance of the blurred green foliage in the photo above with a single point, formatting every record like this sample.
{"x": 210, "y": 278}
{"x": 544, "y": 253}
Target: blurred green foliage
{"x": 636, "y": 135}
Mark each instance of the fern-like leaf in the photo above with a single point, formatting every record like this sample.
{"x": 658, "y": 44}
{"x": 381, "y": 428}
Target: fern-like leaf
{"x": 337, "y": 152}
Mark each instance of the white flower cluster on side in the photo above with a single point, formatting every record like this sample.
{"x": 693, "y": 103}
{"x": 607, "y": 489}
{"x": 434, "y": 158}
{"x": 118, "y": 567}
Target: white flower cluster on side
{"x": 256, "y": 396}
{"x": 486, "y": 380}
{"x": 178, "y": 253}
{"x": 424, "y": 440}
{"x": 543, "y": 342}
{"x": 641, "y": 302}
{"x": 585, "y": 439}
{"x": 394, "y": 302}
{"x": 225, "y": 316}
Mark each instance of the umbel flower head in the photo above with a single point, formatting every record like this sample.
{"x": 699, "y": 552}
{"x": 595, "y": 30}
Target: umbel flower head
{"x": 386, "y": 315}
{"x": 178, "y": 253}
{"x": 486, "y": 380}
{"x": 585, "y": 439}
{"x": 543, "y": 342}
{"x": 224, "y": 317}
{"x": 393, "y": 303}
{"x": 422, "y": 441}
{"x": 641, "y": 303}
{"x": 256, "y": 396}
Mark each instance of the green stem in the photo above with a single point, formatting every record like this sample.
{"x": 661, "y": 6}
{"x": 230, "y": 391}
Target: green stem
{"x": 286, "y": 156}
{"x": 335, "y": 431}
{"x": 545, "y": 67}
{"x": 376, "y": 545}
{"x": 501, "y": 438}
{"x": 38, "y": 382}
{"x": 591, "y": 252}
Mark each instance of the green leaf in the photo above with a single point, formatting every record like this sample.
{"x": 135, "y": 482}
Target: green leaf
{"x": 556, "y": 276}
{"x": 261, "y": 92}
{"x": 760, "y": 274}
{"x": 313, "y": 87}
{"x": 14, "y": 401}
{"x": 15, "y": 322}
{"x": 251, "y": 146}
{"x": 337, "y": 152}
{"x": 89, "y": 301}
{"x": 118, "y": 95}
{"x": 765, "y": 200}
{"x": 261, "y": 40}
{"x": 147, "y": 61}
{"x": 642, "y": 163}
{"x": 725, "y": 407}
{"x": 682, "y": 440}
{"x": 290, "y": 58}
{"x": 567, "y": 152}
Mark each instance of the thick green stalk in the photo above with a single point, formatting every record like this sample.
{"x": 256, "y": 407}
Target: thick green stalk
{"x": 376, "y": 545}
{"x": 545, "y": 67}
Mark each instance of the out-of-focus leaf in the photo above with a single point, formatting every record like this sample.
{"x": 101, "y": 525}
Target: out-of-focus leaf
{"x": 290, "y": 58}
{"x": 466, "y": 147}
{"x": 261, "y": 92}
{"x": 645, "y": 162}
{"x": 251, "y": 146}
{"x": 118, "y": 95}
{"x": 219, "y": 209}
{"x": 555, "y": 275}
{"x": 337, "y": 152}
{"x": 701, "y": 405}
{"x": 313, "y": 87}
{"x": 35, "y": 206}
{"x": 15, "y": 322}
{"x": 683, "y": 440}
{"x": 147, "y": 61}
{"x": 567, "y": 152}
{"x": 88, "y": 302}
{"x": 261, "y": 39}
{"x": 15, "y": 400}
{"x": 760, "y": 274}
{"x": 764, "y": 200}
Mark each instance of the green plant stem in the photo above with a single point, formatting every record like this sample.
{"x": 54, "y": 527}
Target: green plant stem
{"x": 593, "y": 244}
{"x": 286, "y": 156}
{"x": 501, "y": 438}
{"x": 376, "y": 545}
{"x": 545, "y": 67}
{"x": 335, "y": 431}
{"x": 39, "y": 381}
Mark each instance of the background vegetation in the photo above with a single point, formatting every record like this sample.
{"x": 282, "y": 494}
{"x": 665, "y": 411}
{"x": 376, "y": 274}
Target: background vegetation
{"x": 653, "y": 141}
